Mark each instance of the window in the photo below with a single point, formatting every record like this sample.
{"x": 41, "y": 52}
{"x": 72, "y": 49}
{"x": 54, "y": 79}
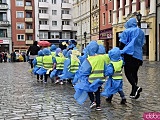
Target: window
{"x": 42, "y": 11}
{"x": 55, "y": 35}
{"x": 19, "y": 3}
{"x": 110, "y": 16}
{"x": 3, "y": 1}
{"x": 20, "y": 37}
{"x": 29, "y": 26}
{"x": 3, "y": 16}
{"x": 28, "y": 3}
{"x": 3, "y": 32}
{"x": 103, "y": 1}
{"x": 65, "y": 22}
{"x": 28, "y": 15}
{"x": 104, "y": 19}
{"x": 54, "y": 1}
{"x": 43, "y": 35}
{"x": 29, "y": 37}
{"x": 20, "y": 26}
{"x": 43, "y": 22}
{"x": 54, "y": 23}
{"x": 20, "y": 15}
{"x": 65, "y": 1}
{"x": 65, "y": 11}
{"x": 42, "y": 0}
{"x": 66, "y": 35}
{"x": 54, "y": 12}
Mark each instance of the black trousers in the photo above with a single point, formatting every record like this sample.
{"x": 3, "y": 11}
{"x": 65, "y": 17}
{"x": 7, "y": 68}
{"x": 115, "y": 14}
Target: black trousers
{"x": 31, "y": 60}
{"x": 131, "y": 68}
{"x": 97, "y": 96}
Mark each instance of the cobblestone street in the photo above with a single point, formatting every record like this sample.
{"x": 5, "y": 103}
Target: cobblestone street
{"x": 21, "y": 97}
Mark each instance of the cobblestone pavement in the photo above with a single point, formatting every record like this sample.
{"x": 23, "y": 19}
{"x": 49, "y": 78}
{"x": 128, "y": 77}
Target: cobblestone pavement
{"x": 21, "y": 97}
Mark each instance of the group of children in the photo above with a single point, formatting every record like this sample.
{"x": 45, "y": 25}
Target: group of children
{"x": 85, "y": 72}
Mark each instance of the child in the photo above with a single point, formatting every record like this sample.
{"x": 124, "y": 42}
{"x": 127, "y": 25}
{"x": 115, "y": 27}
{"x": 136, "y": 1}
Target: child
{"x": 38, "y": 63}
{"x": 114, "y": 83}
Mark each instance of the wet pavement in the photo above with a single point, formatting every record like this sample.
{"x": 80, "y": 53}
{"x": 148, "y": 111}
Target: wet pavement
{"x": 22, "y": 98}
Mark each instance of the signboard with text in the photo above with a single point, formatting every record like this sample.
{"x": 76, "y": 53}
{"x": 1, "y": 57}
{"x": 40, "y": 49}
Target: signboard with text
{"x": 4, "y": 41}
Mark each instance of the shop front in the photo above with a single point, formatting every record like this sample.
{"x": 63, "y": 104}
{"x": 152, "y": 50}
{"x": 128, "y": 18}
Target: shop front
{"x": 5, "y": 46}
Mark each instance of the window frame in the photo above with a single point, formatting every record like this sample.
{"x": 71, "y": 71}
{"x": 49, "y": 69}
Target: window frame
{"x": 21, "y": 39}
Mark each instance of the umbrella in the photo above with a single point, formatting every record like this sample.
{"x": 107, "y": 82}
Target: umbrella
{"x": 44, "y": 43}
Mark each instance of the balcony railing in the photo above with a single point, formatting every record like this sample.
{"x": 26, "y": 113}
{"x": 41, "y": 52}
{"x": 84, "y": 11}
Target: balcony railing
{"x": 28, "y": 19}
{"x": 43, "y": 27}
{"x": 4, "y": 23}
{"x": 29, "y": 42}
{"x": 43, "y": 15}
{"x": 66, "y": 16}
{"x": 29, "y": 31}
{"x": 66, "y": 5}
{"x": 66, "y": 27}
{"x": 3, "y": 6}
{"x": 28, "y": 7}
{"x": 43, "y": 4}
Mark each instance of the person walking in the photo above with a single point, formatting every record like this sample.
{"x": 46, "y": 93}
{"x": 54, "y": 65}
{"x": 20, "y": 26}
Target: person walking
{"x": 33, "y": 51}
{"x": 131, "y": 43}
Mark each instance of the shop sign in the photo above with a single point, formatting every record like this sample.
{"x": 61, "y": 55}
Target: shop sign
{"x": 106, "y": 34}
{"x": 4, "y": 41}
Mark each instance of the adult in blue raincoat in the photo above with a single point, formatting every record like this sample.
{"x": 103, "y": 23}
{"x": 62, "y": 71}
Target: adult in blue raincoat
{"x": 114, "y": 83}
{"x": 38, "y": 63}
{"x": 48, "y": 65}
{"x": 132, "y": 40}
{"x": 91, "y": 76}
{"x": 70, "y": 45}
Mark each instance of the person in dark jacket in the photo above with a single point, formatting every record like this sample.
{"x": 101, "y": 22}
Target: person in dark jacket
{"x": 33, "y": 50}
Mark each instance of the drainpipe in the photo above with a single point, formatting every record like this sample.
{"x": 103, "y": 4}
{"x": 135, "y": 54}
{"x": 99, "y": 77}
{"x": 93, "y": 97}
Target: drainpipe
{"x": 156, "y": 29}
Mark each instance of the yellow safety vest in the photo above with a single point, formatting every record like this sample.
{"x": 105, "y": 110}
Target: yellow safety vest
{"x": 53, "y": 54}
{"x": 39, "y": 61}
{"x": 117, "y": 70}
{"x": 47, "y": 62}
{"x": 60, "y": 63}
{"x": 97, "y": 65}
{"x": 73, "y": 66}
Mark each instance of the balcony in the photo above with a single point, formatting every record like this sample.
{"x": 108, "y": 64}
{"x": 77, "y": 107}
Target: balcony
{"x": 43, "y": 27}
{"x": 43, "y": 16}
{"x": 29, "y": 42}
{"x": 28, "y": 7}
{"x": 66, "y": 27}
{"x": 66, "y": 16}
{"x": 3, "y": 6}
{"x": 28, "y": 19}
{"x": 66, "y": 5}
{"x": 29, "y": 31}
{"x": 43, "y": 4}
{"x": 4, "y": 23}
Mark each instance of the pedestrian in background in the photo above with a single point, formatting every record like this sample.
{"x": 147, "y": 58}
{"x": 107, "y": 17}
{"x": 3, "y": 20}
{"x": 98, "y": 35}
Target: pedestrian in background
{"x": 131, "y": 43}
{"x": 33, "y": 52}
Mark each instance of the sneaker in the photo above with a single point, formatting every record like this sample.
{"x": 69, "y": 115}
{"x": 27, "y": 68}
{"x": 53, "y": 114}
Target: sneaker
{"x": 137, "y": 95}
{"x": 57, "y": 81}
{"x": 44, "y": 82}
{"x": 123, "y": 101}
{"x": 61, "y": 83}
{"x": 98, "y": 108}
{"x": 93, "y": 104}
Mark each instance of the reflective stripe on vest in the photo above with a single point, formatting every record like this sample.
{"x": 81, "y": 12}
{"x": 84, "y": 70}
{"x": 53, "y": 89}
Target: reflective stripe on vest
{"x": 60, "y": 63}
{"x": 74, "y": 66}
{"x": 47, "y": 62}
{"x": 117, "y": 70}
{"x": 53, "y": 54}
{"x": 97, "y": 65}
{"x": 39, "y": 61}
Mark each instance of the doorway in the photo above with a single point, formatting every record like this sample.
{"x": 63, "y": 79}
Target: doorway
{"x": 146, "y": 48}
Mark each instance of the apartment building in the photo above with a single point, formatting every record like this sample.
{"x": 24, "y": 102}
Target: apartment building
{"x": 125, "y": 9}
{"x": 5, "y": 26}
{"x": 23, "y": 28}
{"x": 81, "y": 18}
{"x": 105, "y": 33}
{"x": 53, "y": 20}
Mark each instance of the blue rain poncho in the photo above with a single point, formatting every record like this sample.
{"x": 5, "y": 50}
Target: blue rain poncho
{"x": 65, "y": 52}
{"x": 53, "y": 48}
{"x": 70, "y": 45}
{"x": 133, "y": 38}
{"x": 42, "y": 71}
{"x": 35, "y": 69}
{"x": 83, "y": 86}
{"x": 112, "y": 86}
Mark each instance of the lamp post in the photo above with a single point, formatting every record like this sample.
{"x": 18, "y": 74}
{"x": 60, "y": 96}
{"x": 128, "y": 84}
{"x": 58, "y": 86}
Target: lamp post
{"x": 139, "y": 16}
{"x": 85, "y": 34}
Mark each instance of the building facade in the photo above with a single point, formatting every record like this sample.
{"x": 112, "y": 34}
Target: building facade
{"x": 125, "y": 9}
{"x": 23, "y": 26}
{"x": 5, "y": 26}
{"x": 81, "y": 19}
{"x": 53, "y": 20}
{"x": 105, "y": 33}
{"x": 95, "y": 19}
{"x": 158, "y": 29}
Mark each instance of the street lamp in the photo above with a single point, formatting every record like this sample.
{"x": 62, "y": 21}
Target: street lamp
{"x": 85, "y": 34}
{"x": 139, "y": 16}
